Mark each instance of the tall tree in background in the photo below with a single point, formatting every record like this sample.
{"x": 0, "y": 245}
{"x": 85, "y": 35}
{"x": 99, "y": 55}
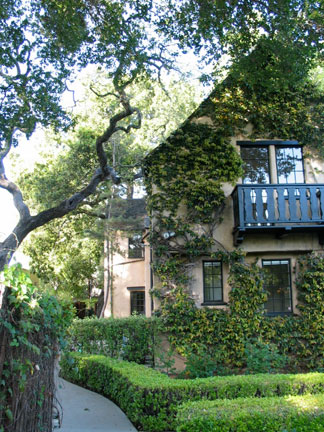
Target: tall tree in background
{"x": 37, "y": 57}
{"x": 129, "y": 39}
{"x": 54, "y": 248}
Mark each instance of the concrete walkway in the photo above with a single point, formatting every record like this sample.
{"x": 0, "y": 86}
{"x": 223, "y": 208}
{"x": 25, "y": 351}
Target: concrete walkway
{"x": 86, "y": 411}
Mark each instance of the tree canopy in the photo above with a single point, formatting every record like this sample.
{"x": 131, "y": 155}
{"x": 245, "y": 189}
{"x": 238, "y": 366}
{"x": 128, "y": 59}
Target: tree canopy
{"x": 67, "y": 253}
{"x": 130, "y": 39}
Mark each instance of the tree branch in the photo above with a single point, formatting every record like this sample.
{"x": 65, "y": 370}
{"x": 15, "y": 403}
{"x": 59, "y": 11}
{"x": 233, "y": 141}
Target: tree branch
{"x": 113, "y": 128}
{"x": 92, "y": 213}
{"x": 28, "y": 223}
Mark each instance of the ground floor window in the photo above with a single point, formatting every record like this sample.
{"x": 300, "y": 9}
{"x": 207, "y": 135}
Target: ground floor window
{"x": 278, "y": 285}
{"x": 213, "y": 282}
{"x": 137, "y": 302}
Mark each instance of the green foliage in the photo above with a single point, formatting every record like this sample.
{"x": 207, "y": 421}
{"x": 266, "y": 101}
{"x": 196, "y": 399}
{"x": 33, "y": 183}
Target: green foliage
{"x": 38, "y": 53}
{"x": 66, "y": 254}
{"x": 263, "y": 357}
{"x": 201, "y": 363}
{"x": 235, "y": 28}
{"x": 275, "y": 414}
{"x": 310, "y": 286}
{"x": 271, "y": 340}
{"x": 190, "y": 168}
{"x": 33, "y": 310}
{"x": 64, "y": 259}
{"x": 164, "y": 360}
{"x": 184, "y": 178}
{"x": 150, "y": 399}
{"x": 32, "y": 330}
{"x": 132, "y": 339}
{"x": 254, "y": 94}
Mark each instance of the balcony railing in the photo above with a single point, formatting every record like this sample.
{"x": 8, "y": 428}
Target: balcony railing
{"x": 278, "y": 207}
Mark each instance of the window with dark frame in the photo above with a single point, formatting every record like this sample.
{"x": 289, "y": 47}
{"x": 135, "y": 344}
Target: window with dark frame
{"x": 135, "y": 247}
{"x": 213, "y": 282}
{"x": 256, "y": 165}
{"x": 278, "y": 285}
{"x": 290, "y": 167}
{"x": 289, "y": 162}
{"x": 137, "y": 302}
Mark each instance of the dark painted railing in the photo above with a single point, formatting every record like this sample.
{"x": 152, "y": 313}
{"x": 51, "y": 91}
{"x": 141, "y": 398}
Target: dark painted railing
{"x": 278, "y": 206}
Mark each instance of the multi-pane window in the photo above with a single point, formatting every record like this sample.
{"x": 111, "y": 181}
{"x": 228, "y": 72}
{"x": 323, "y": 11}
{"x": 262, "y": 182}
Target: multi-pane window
{"x": 278, "y": 286}
{"x": 256, "y": 165}
{"x": 258, "y": 170}
{"x": 137, "y": 302}
{"x": 213, "y": 283}
{"x": 135, "y": 247}
{"x": 290, "y": 167}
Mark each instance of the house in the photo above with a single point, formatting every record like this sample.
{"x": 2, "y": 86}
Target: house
{"x": 130, "y": 265}
{"x": 274, "y": 211}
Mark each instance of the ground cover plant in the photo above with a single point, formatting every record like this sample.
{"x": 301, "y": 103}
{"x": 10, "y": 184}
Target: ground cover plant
{"x": 150, "y": 398}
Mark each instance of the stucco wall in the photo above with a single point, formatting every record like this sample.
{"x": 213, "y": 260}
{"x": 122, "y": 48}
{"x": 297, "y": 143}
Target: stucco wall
{"x": 260, "y": 246}
{"x": 128, "y": 274}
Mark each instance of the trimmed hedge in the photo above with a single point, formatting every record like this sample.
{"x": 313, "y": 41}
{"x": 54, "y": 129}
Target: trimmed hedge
{"x": 275, "y": 414}
{"x": 130, "y": 339}
{"x": 150, "y": 398}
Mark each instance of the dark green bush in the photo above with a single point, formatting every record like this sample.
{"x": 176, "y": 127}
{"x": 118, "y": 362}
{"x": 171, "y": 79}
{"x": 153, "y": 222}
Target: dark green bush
{"x": 130, "y": 339}
{"x": 275, "y": 414}
{"x": 150, "y": 399}
{"x": 263, "y": 357}
{"x": 204, "y": 363}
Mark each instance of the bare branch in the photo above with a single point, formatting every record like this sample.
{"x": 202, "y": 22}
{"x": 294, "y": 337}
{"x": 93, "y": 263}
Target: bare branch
{"x": 103, "y": 95}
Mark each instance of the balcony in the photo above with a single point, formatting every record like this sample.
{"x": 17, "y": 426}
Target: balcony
{"x": 279, "y": 209}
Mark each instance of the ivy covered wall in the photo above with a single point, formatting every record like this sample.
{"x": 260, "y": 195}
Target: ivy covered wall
{"x": 185, "y": 178}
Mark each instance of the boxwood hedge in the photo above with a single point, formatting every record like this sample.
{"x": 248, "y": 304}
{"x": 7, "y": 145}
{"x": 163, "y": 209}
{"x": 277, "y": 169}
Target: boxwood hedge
{"x": 132, "y": 338}
{"x": 275, "y": 414}
{"x": 150, "y": 398}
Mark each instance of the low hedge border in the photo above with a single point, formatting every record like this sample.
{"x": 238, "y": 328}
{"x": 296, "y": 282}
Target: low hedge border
{"x": 150, "y": 398}
{"x": 275, "y": 414}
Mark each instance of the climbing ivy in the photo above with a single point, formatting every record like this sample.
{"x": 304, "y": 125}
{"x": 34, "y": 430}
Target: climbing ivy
{"x": 185, "y": 174}
{"x": 299, "y": 337}
{"x": 253, "y": 94}
{"x": 185, "y": 179}
{"x": 32, "y": 330}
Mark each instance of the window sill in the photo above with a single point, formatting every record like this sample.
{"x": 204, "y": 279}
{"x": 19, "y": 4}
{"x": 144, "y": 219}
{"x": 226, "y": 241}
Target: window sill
{"x": 275, "y": 314}
{"x": 214, "y": 304}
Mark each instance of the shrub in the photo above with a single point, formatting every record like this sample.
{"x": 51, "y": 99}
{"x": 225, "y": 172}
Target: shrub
{"x": 32, "y": 330}
{"x": 289, "y": 414}
{"x": 203, "y": 363}
{"x": 150, "y": 399}
{"x": 130, "y": 339}
{"x": 262, "y": 357}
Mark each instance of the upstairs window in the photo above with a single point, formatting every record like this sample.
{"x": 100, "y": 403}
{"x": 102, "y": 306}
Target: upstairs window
{"x": 135, "y": 247}
{"x": 256, "y": 165}
{"x": 278, "y": 285}
{"x": 267, "y": 162}
{"x": 213, "y": 282}
{"x": 290, "y": 167}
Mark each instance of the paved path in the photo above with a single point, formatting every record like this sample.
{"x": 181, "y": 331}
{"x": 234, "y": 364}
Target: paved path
{"x": 86, "y": 411}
